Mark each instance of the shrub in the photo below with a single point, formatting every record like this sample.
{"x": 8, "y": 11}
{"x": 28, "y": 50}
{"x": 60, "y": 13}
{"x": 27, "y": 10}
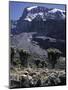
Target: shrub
{"x": 53, "y": 55}
{"x": 12, "y": 55}
{"x": 23, "y": 57}
{"x": 37, "y": 62}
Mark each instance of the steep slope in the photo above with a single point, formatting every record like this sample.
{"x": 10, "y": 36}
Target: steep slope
{"x": 41, "y": 19}
{"x": 24, "y": 40}
{"x": 43, "y": 22}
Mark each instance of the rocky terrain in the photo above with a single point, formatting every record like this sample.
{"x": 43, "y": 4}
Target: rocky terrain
{"x": 29, "y": 77}
{"x": 32, "y": 70}
{"x": 38, "y": 48}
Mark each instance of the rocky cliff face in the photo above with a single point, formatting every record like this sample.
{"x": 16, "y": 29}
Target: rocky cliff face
{"x": 43, "y": 22}
{"x": 41, "y": 19}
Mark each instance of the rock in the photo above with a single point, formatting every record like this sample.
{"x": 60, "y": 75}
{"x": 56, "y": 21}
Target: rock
{"x": 61, "y": 63}
{"x": 24, "y": 81}
{"x": 29, "y": 77}
{"x": 25, "y": 72}
{"x": 52, "y": 80}
{"x": 32, "y": 83}
{"x": 62, "y": 77}
{"x": 38, "y": 84}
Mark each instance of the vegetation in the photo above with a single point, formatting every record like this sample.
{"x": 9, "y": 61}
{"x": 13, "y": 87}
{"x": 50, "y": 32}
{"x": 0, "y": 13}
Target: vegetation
{"x": 53, "y": 55}
{"x": 28, "y": 70}
{"x": 12, "y": 55}
{"x": 24, "y": 57}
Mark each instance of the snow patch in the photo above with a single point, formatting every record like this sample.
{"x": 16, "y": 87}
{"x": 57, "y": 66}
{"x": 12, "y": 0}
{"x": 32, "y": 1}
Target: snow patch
{"x": 55, "y": 10}
{"x": 31, "y": 16}
{"x": 30, "y": 8}
{"x": 28, "y": 19}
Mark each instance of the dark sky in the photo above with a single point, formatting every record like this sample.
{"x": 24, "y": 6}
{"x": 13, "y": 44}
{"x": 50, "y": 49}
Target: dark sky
{"x": 16, "y": 8}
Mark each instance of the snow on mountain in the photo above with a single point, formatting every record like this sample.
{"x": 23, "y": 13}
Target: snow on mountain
{"x": 34, "y": 11}
{"x": 28, "y": 19}
{"x": 30, "y": 8}
{"x": 31, "y": 16}
{"x": 32, "y": 21}
{"x": 55, "y": 10}
{"x": 56, "y": 13}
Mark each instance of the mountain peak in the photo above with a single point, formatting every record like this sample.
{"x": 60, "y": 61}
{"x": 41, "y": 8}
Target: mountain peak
{"x": 30, "y": 8}
{"x": 44, "y": 13}
{"x": 55, "y": 10}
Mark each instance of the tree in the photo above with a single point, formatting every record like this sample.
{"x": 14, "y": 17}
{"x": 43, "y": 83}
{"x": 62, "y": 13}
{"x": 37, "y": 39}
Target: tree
{"x": 12, "y": 55}
{"x": 44, "y": 64}
{"x": 37, "y": 62}
{"x": 53, "y": 55}
{"x": 23, "y": 57}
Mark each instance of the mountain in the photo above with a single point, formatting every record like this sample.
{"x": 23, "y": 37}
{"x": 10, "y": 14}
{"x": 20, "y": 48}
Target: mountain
{"x": 42, "y": 19}
{"x": 44, "y": 13}
{"x": 25, "y": 41}
{"x": 42, "y": 22}
{"x": 38, "y": 48}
